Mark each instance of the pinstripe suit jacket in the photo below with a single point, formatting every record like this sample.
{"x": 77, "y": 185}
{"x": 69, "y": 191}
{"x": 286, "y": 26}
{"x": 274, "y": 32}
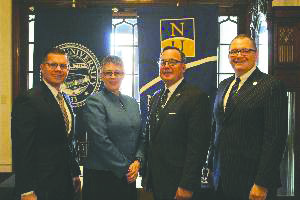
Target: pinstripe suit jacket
{"x": 250, "y": 136}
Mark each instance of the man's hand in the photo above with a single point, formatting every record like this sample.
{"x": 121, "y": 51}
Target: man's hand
{"x": 133, "y": 171}
{"x": 30, "y": 196}
{"x": 183, "y": 194}
{"x": 258, "y": 193}
{"x": 76, "y": 184}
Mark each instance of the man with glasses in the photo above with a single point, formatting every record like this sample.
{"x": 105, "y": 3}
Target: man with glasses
{"x": 42, "y": 131}
{"x": 178, "y": 133}
{"x": 250, "y": 124}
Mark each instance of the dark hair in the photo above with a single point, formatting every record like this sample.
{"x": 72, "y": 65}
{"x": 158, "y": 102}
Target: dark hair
{"x": 54, "y": 50}
{"x": 182, "y": 55}
{"x": 243, "y": 36}
{"x": 116, "y": 60}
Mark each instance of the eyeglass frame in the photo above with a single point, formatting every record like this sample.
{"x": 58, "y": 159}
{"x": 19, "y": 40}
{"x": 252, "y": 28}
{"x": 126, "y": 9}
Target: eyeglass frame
{"x": 174, "y": 62}
{"x": 117, "y": 75}
{"x": 54, "y": 66}
{"x": 243, "y": 51}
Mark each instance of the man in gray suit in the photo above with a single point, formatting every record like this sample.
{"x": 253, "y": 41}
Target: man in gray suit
{"x": 250, "y": 121}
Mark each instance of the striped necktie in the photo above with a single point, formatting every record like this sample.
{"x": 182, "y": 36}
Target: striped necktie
{"x": 63, "y": 110}
{"x": 233, "y": 92}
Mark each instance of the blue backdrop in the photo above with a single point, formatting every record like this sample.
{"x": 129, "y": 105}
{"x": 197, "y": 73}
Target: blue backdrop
{"x": 193, "y": 29}
{"x": 85, "y": 34}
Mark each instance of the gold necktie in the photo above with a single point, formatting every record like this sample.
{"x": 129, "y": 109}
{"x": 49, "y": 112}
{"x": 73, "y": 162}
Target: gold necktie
{"x": 63, "y": 110}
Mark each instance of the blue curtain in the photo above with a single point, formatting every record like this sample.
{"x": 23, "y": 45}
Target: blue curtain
{"x": 157, "y": 24}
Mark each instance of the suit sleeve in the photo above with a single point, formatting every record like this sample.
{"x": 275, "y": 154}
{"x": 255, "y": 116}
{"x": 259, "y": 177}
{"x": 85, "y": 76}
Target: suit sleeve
{"x": 95, "y": 121}
{"x": 141, "y": 142}
{"x": 211, "y": 150}
{"x": 198, "y": 134}
{"x": 275, "y": 134}
{"x": 24, "y": 123}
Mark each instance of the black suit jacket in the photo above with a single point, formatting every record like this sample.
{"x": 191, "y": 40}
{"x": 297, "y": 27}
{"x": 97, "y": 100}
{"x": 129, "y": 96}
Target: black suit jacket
{"x": 43, "y": 153}
{"x": 250, "y": 136}
{"x": 177, "y": 143}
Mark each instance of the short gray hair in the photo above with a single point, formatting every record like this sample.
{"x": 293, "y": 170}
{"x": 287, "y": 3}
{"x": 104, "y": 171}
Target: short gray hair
{"x": 116, "y": 60}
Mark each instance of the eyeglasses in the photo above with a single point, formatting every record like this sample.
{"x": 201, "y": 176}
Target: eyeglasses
{"x": 117, "y": 74}
{"x": 55, "y": 65}
{"x": 171, "y": 62}
{"x": 243, "y": 51}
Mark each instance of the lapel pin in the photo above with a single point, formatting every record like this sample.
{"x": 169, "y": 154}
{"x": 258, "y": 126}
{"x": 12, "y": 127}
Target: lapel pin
{"x": 177, "y": 95}
{"x": 254, "y": 83}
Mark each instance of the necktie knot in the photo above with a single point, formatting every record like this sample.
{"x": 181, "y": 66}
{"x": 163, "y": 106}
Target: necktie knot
{"x": 59, "y": 96}
{"x": 235, "y": 87}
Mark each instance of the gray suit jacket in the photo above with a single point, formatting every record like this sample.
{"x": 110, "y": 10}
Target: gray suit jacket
{"x": 114, "y": 133}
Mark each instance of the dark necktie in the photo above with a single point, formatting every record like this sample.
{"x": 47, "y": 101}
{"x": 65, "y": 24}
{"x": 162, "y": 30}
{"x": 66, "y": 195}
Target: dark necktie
{"x": 162, "y": 101}
{"x": 233, "y": 92}
{"x": 63, "y": 110}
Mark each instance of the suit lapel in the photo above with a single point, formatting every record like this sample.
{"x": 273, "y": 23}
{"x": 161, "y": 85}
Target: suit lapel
{"x": 53, "y": 105}
{"x": 243, "y": 92}
{"x": 223, "y": 93}
{"x": 164, "y": 112}
{"x": 153, "y": 111}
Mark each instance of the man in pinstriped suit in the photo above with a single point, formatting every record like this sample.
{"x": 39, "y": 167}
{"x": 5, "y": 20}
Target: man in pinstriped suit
{"x": 250, "y": 124}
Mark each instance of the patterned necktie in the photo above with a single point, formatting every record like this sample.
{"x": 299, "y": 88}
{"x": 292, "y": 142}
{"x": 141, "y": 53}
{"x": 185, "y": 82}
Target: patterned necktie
{"x": 163, "y": 100}
{"x": 63, "y": 110}
{"x": 233, "y": 92}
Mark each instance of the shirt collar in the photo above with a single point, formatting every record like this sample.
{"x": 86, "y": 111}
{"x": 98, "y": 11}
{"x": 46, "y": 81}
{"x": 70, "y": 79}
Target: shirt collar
{"x": 51, "y": 88}
{"x": 245, "y": 76}
{"x": 173, "y": 87}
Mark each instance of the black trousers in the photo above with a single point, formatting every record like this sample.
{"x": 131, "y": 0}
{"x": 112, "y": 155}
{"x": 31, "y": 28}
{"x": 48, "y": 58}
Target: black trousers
{"x": 104, "y": 185}
{"x": 220, "y": 195}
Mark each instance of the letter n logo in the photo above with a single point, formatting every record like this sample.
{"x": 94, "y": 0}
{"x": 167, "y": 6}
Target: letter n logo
{"x": 179, "y": 33}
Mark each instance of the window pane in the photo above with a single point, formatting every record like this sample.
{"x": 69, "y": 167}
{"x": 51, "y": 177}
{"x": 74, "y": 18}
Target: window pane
{"x": 224, "y": 65}
{"x": 131, "y": 21}
{"x": 263, "y": 45}
{"x": 136, "y": 88}
{"x": 126, "y": 86}
{"x": 126, "y": 53}
{"x": 30, "y": 80}
{"x": 224, "y": 76}
{"x": 263, "y": 58}
{"x": 135, "y": 35}
{"x": 31, "y": 49}
{"x": 125, "y": 45}
{"x": 228, "y": 30}
{"x": 136, "y": 60}
{"x": 31, "y": 29}
{"x": 116, "y": 21}
{"x": 124, "y": 34}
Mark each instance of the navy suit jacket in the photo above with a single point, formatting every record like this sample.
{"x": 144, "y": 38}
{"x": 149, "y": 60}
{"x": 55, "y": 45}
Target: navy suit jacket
{"x": 177, "y": 143}
{"x": 250, "y": 136}
{"x": 43, "y": 152}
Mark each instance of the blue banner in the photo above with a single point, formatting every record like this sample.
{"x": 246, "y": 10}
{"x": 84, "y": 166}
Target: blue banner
{"x": 85, "y": 35}
{"x": 192, "y": 29}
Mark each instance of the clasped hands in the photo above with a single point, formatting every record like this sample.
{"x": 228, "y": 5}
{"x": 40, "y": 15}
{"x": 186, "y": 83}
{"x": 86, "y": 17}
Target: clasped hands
{"x": 133, "y": 171}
